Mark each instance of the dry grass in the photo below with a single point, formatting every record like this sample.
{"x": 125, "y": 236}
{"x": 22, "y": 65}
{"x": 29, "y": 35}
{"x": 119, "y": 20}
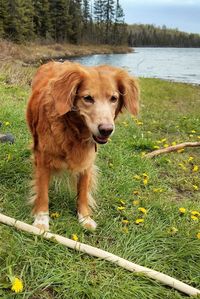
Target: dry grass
{"x": 34, "y": 53}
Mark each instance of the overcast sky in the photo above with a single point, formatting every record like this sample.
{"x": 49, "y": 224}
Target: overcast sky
{"x": 181, "y": 14}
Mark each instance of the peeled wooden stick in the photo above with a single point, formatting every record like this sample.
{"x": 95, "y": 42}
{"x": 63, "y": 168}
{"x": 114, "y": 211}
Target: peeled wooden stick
{"x": 102, "y": 254}
{"x": 172, "y": 148}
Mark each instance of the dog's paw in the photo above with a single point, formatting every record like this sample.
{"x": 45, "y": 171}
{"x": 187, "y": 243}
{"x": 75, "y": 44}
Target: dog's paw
{"x": 87, "y": 222}
{"x": 42, "y": 221}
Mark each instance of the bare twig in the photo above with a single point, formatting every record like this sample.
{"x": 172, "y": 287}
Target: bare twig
{"x": 165, "y": 279}
{"x": 173, "y": 148}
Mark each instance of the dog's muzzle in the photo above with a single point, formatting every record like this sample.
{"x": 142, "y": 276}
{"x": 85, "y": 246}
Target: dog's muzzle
{"x": 105, "y": 131}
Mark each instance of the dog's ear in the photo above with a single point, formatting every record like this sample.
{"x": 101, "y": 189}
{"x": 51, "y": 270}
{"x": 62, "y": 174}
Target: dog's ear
{"x": 129, "y": 91}
{"x": 63, "y": 89}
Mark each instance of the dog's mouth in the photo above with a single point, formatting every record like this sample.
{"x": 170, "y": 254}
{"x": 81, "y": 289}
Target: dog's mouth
{"x": 100, "y": 139}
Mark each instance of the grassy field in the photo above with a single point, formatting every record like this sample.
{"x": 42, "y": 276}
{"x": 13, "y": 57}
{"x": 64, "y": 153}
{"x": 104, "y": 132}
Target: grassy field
{"x": 165, "y": 240}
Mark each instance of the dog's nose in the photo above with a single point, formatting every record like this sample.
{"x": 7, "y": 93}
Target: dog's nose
{"x": 105, "y": 129}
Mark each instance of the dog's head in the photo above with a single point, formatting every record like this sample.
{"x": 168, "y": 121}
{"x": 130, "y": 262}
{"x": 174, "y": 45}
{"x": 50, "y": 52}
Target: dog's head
{"x": 98, "y": 93}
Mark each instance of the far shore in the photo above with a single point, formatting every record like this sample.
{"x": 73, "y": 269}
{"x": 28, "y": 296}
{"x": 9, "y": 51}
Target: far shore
{"x": 34, "y": 53}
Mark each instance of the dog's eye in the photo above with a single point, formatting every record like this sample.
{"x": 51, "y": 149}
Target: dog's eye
{"x": 88, "y": 99}
{"x": 113, "y": 99}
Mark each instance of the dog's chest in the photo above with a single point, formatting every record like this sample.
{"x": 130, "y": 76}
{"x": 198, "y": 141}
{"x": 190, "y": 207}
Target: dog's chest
{"x": 78, "y": 157}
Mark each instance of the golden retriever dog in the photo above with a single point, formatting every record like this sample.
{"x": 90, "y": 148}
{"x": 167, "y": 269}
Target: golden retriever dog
{"x": 72, "y": 109}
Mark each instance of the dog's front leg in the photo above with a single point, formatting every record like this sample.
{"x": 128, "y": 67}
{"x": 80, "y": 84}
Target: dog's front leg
{"x": 83, "y": 187}
{"x": 41, "y": 200}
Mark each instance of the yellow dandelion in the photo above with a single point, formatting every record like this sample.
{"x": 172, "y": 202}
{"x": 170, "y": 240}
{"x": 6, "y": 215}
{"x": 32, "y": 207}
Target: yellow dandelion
{"x": 17, "y": 285}
{"x": 7, "y": 123}
{"x": 174, "y": 143}
{"x": 125, "y": 221}
{"x": 74, "y": 237}
{"x": 163, "y": 140}
{"x": 142, "y": 210}
{"x": 180, "y": 150}
{"x": 138, "y": 122}
{"x": 191, "y": 135}
{"x": 195, "y": 187}
{"x": 145, "y": 181}
{"x": 166, "y": 145}
{"x": 190, "y": 159}
{"x": 195, "y": 168}
{"x": 139, "y": 221}
{"x": 198, "y": 235}
{"x": 193, "y": 131}
{"x": 120, "y": 208}
{"x": 156, "y": 147}
{"x": 54, "y": 215}
{"x": 145, "y": 175}
{"x": 195, "y": 218}
{"x": 195, "y": 213}
{"x": 173, "y": 230}
{"x": 182, "y": 210}
{"x": 136, "y": 202}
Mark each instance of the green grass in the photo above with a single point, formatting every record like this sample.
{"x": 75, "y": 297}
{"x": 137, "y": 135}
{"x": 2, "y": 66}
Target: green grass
{"x": 48, "y": 270}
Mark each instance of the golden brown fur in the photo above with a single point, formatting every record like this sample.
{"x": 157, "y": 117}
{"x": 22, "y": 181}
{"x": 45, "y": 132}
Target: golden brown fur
{"x": 73, "y": 107}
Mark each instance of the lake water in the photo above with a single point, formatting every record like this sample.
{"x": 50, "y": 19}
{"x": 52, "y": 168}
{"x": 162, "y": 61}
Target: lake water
{"x": 176, "y": 64}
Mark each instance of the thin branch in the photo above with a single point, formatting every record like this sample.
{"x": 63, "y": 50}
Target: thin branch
{"x": 93, "y": 251}
{"x": 173, "y": 148}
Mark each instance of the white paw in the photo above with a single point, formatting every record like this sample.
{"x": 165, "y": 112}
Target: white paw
{"x": 42, "y": 221}
{"x": 87, "y": 222}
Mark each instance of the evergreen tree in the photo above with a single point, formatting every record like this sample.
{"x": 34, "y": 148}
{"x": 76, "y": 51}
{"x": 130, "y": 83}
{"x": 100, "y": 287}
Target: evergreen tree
{"x": 108, "y": 15}
{"x": 120, "y": 34}
{"x": 3, "y": 9}
{"x": 27, "y": 14}
{"x": 86, "y": 12}
{"x": 60, "y": 19}
{"x": 99, "y": 11}
{"x": 67, "y": 21}
{"x": 87, "y": 34}
{"x": 75, "y": 11}
{"x": 99, "y": 21}
{"x": 41, "y": 19}
{"x": 13, "y": 25}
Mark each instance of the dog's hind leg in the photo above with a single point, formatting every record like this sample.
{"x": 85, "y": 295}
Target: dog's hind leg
{"x": 84, "y": 197}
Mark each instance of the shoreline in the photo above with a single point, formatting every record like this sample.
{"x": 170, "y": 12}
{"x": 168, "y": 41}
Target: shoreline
{"x": 34, "y": 53}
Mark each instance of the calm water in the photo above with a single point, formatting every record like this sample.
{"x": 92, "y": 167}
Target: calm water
{"x": 176, "y": 64}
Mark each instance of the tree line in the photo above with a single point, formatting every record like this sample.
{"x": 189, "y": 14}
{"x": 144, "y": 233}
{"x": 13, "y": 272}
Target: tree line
{"x": 83, "y": 21}
{"x": 150, "y": 35}
{"x": 74, "y": 21}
